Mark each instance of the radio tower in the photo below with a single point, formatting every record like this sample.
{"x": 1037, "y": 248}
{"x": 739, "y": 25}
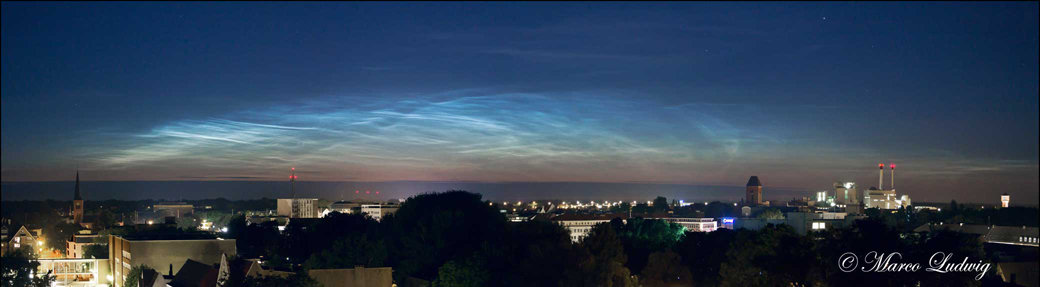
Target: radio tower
{"x": 292, "y": 186}
{"x": 292, "y": 182}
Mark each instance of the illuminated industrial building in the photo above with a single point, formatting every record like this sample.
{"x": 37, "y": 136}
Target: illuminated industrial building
{"x": 878, "y": 197}
{"x": 845, "y": 193}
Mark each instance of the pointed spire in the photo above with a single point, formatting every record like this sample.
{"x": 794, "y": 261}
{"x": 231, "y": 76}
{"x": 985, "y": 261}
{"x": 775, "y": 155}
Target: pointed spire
{"x": 78, "y": 197}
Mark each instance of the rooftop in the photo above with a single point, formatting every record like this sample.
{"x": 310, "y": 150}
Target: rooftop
{"x": 571, "y": 217}
{"x": 146, "y": 236}
{"x": 753, "y": 181}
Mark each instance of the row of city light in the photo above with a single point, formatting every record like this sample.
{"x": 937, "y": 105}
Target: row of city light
{"x": 605, "y": 203}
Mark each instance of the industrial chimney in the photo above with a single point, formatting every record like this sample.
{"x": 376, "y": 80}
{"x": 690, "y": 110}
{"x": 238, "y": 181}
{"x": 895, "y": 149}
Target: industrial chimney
{"x": 881, "y": 176}
{"x": 893, "y": 168}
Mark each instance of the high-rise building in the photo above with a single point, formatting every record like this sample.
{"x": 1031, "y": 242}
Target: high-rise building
{"x": 77, "y": 204}
{"x": 1005, "y": 200}
{"x": 753, "y": 191}
{"x": 298, "y": 207}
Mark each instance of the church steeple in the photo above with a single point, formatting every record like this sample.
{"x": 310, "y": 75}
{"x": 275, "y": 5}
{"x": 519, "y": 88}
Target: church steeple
{"x": 78, "y": 197}
{"x": 77, "y": 204}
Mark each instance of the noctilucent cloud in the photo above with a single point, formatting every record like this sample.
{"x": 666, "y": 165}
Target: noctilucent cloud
{"x": 800, "y": 94}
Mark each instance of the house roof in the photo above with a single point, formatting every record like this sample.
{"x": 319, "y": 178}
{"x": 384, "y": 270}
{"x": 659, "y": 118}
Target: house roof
{"x": 1015, "y": 231}
{"x": 169, "y": 236}
{"x": 239, "y": 269}
{"x": 150, "y": 276}
{"x": 195, "y": 274}
{"x": 962, "y": 228}
{"x": 19, "y": 229}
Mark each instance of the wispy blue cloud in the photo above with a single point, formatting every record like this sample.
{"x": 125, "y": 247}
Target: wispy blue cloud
{"x": 469, "y": 133}
{"x": 481, "y": 135}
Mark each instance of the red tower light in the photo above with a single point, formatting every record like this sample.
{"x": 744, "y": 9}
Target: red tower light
{"x": 893, "y": 166}
{"x": 881, "y": 165}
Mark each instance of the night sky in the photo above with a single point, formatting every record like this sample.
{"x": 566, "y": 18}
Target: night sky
{"x": 800, "y": 94}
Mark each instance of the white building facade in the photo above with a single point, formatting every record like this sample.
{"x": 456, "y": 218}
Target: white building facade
{"x": 694, "y": 224}
{"x": 298, "y": 207}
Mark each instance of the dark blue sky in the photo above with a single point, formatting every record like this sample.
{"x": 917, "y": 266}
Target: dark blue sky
{"x": 801, "y": 94}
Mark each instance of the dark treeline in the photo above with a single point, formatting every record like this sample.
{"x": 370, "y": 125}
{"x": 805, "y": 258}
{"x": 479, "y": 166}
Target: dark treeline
{"x": 457, "y": 239}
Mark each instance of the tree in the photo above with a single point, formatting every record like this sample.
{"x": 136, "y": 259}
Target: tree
{"x": 665, "y": 269}
{"x": 771, "y": 214}
{"x": 758, "y": 258}
{"x": 660, "y": 203}
{"x": 961, "y": 245}
{"x": 433, "y": 228}
{"x": 624, "y": 207}
{"x": 237, "y": 226}
{"x": 717, "y": 209}
{"x": 298, "y": 279}
{"x": 642, "y": 208}
{"x": 599, "y": 260}
{"x": 187, "y": 223}
{"x": 468, "y": 273}
{"x": 133, "y": 277}
{"x": 105, "y": 219}
{"x": 862, "y": 237}
{"x": 640, "y": 237}
{"x": 533, "y": 255}
{"x": 350, "y": 252}
{"x": 96, "y": 251}
{"x": 17, "y": 269}
{"x": 58, "y": 234}
{"x": 256, "y": 240}
{"x": 704, "y": 253}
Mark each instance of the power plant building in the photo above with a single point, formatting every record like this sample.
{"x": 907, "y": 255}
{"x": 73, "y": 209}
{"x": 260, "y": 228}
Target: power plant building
{"x": 878, "y": 197}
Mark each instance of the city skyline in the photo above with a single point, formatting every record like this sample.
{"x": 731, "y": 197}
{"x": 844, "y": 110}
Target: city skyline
{"x": 693, "y": 94}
